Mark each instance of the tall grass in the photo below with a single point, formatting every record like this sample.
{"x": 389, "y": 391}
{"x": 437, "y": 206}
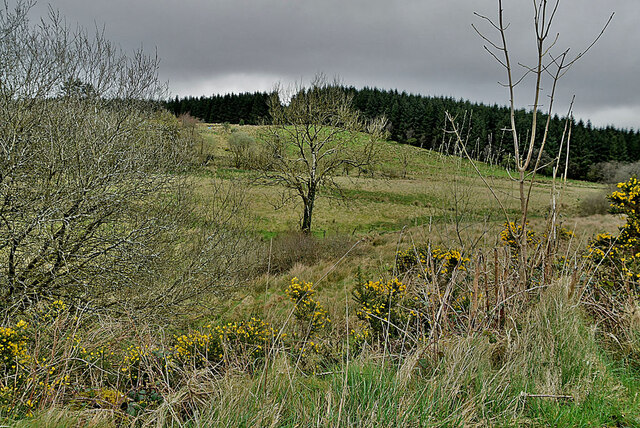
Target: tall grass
{"x": 547, "y": 369}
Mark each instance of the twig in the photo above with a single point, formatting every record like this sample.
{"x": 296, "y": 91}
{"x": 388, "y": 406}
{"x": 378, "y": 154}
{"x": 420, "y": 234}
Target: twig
{"x": 526, "y": 395}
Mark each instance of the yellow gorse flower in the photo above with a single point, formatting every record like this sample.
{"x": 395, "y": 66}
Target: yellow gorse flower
{"x": 445, "y": 261}
{"x": 620, "y": 255}
{"x": 309, "y": 312}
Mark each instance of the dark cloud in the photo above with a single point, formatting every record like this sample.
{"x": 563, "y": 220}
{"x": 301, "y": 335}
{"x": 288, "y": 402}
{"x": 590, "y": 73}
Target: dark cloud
{"x": 420, "y": 46}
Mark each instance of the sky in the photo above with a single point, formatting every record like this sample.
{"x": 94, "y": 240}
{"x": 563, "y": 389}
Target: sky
{"x": 425, "y": 47}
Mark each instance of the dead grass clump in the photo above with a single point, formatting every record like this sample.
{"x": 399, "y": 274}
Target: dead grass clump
{"x": 291, "y": 248}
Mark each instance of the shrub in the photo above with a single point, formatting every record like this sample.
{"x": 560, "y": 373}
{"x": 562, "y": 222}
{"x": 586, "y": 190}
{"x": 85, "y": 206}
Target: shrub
{"x": 311, "y": 315}
{"x": 511, "y": 235}
{"x": 47, "y": 362}
{"x": 620, "y": 254}
{"x": 613, "y": 172}
{"x": 240, "y": 342}
{"x": 382, "y": 306}
{"x": 596, "y": 203}
{"x": 245, "y": 151}
{"x": 294, "y": 247}
{"x": 13, "y": 349}
{"x": 445, "y": 261}
{"x": 615, "y": 260}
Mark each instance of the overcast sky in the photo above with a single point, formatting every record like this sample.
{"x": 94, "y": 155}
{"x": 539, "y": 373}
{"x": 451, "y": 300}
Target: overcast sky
{"x": 421, "y": 46}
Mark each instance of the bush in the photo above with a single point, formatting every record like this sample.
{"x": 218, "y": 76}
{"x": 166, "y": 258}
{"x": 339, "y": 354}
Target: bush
{"x": 310, "y": 313}
{"x": 246, "y": 153}
{"x": 444, "y": 261}
{"x": 596, "y": 203}
{"x": 291, "y": 248}
{"x": 382, "y": 305}
{"x": 613, "y": 172}
{"x": 615, "y": 260}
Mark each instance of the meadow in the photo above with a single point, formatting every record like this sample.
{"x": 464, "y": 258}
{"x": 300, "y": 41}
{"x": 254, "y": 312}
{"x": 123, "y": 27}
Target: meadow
{"x": 410, "y": 187}
{"x": 405, "y": 306}
{"x": 309, "y": 272}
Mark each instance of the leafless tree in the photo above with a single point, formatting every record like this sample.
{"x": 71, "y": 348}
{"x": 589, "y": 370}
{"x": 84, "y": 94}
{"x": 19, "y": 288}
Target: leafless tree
{"x": 549, "y": 66}
{"x": 88, "y": 183}
{"x": 315, "y": 136}
{"x": 191, "y": 123}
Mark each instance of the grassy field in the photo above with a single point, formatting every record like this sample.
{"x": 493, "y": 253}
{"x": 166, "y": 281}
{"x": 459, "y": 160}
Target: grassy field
{"x": 462, "y": 343}
{"x": 414, "y": 196}
{"x": 410, "y": 187}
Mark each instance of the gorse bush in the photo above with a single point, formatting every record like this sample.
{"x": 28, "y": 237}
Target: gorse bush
{"x": 612, "y": 292}
{"x": 444, "y": 261}
{"x": 237, "y": 342}
{"x": 13, "y": 348}
{"x": 27, "y": 380}
{"x": 511, "y": 235}
{"x": 382, "y": 306}
{"x": 311, "y": 315}
{"x": 200, "y": 348}
{"x": 39, "y": 367}
{"x": 448, "y": 260}
{"x": 620, "y": 255}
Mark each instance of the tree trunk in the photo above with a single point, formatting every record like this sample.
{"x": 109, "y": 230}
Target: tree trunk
{"x": 308, "y": 210}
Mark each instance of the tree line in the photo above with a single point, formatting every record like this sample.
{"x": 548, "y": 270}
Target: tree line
{"x": 420, "y": 121}
{"x": 246, "y": 108}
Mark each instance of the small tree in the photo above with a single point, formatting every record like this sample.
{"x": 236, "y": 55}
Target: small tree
{"x": 190, "y": 124}
{"x": 549, "y": 65}
{"x": 243, "y": 148}
{"x": 314, "y": 138}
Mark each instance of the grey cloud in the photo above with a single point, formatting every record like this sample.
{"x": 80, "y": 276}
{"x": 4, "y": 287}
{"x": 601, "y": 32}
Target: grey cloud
{"x": 419, "y": 46}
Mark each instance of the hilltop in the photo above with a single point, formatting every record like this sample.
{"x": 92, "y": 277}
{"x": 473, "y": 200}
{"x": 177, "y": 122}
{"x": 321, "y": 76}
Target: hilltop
{"x": 420, "y": 120}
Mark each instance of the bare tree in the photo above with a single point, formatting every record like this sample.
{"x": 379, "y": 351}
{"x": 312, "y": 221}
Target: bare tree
{"x": 88, "y": 189}
{"x": 190, "y": 123}
{"x": 549, "y": 66}
{"x": 316, "y": 136}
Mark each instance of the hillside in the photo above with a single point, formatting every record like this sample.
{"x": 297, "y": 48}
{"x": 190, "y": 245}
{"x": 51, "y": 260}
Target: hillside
{"x": 410, "y": 187}
{"x": 405, "y": 307}
{"x": 419, "y": 120}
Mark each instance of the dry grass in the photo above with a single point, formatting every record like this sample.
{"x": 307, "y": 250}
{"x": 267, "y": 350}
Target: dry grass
{"x": 437, "y": 189}
{"x": 534, "y": 359}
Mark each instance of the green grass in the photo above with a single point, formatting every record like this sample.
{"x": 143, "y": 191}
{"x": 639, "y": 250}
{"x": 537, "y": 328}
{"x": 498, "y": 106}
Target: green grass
{"x": 554, "y": 353}
{"x": 410, "y": 187}
{"x": 429, "y": 188}
{"x": 471, "y": 378}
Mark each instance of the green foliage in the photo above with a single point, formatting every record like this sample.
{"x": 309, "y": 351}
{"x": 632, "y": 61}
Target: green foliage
{"x": 248, "y": 108}
{"x": 619, "y": 255}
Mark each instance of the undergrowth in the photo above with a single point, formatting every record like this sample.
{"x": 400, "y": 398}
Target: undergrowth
{"x": 445, "y": 337}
